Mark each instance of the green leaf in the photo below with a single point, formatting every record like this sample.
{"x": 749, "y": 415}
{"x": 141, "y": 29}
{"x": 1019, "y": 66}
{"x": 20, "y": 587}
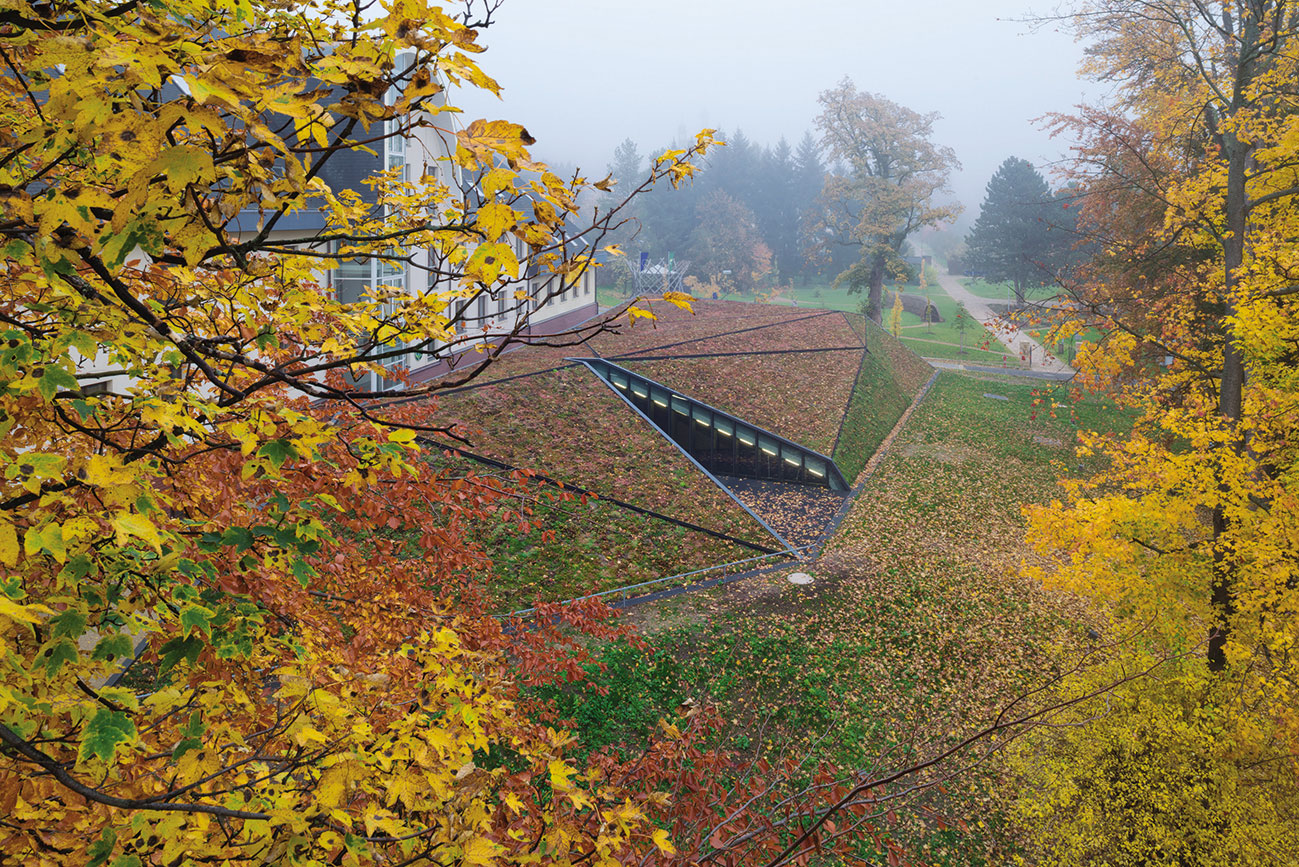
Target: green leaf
{"x": 240, "y": 537}
{"x": 85, "y": 410}
{"x": 277, "y": 451}
{"x": 126, "y": 861}
{"x": 68, "y": 624}
{"x": 106, "y": 729}
{"x": 113, "y": 647}
{"x": 54, "y": 378}
{"x": 187, "y": 648}
{"x": 60, "y": 651}
{"x": 194, "y": 618}
{"x": 304, "y": 572}
{"x": 101, "y": 849}
{"x": 84, "y": 343}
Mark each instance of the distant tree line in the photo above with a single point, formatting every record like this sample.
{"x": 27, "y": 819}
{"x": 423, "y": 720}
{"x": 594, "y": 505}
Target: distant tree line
{"x": 742, "y": 222}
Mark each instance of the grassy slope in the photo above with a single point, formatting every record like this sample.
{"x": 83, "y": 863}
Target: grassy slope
{"x": 890, "y": 377}
{"x": 917, "y": 626}
{"x": 568, "y": 425}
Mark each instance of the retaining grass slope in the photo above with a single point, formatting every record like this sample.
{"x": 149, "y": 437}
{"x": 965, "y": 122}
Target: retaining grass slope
{"x": 889, "y": 379}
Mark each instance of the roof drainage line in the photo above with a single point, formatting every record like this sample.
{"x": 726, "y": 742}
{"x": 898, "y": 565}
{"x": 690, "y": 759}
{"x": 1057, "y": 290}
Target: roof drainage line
{"x": 869, "y": 472}
{"x": 634, "y": 408}
{"x": 565, "y": 486}
{"x": 856, "y": 381}
{"x": 854, "y": 348}
{"x": 629, "y": 355}
{"x": 636, "y": 600}
{"x": 435, "y": 394}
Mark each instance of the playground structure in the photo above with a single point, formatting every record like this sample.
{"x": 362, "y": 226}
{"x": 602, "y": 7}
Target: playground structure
{"x": 664, "y": 275}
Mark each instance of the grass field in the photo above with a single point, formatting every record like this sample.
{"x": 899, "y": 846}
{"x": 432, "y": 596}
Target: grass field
{"x": 917, "y": 628}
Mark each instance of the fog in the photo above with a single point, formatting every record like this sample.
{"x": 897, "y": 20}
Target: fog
{"x": 582, "y": 75}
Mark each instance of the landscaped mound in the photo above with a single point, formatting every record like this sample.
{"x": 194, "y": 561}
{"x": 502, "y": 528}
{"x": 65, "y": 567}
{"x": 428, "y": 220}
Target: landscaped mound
{"x": 801, "y": 374}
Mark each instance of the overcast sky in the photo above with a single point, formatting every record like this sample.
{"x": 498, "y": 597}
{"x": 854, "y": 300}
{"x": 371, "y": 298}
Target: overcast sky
{"x": 582, "y": 75}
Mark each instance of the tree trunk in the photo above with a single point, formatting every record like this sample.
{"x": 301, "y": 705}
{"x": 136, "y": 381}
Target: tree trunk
{"x": 875, "y": 287}
{"x": 1230, "y": 395}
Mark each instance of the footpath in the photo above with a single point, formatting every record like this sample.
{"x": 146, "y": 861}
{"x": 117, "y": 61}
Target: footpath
{"x": 1018, "y": 342}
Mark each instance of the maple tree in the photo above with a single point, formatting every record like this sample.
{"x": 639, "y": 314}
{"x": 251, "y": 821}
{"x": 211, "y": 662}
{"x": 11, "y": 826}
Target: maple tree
{"x": 1188, "y": 538}
{"x": 310, "y": 676}
{"x": 894, "y": 171}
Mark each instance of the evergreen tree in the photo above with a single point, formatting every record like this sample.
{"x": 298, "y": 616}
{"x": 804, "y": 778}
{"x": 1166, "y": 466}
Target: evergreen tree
{"x": 1022, "y": 234}
{"x": 809, "y": 178}
{"x": 776, "y": 207}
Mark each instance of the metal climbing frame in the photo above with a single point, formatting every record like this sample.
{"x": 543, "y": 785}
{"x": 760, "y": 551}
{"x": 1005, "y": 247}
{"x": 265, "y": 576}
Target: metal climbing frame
{"x": 653, "y": 278}
{"x": 719, "y": 441}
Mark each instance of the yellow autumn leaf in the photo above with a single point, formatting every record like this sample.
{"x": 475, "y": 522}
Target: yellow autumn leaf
{"x": 481, "y": 852}
{"x": 661, "y": 840}
{"x": 680, "y": 299}
{"x": 129, "y": 524}
{"x": 8, "y": 544}
{"x": 559, "y": 776}
{"x": 25, "y": 613}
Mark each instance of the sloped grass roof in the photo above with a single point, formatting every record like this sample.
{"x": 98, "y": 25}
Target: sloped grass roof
{"x": 794, "y": 376}
{"x": 799, "y": 396}
{"x": 674, "y": 327}
{"x": 567, "y": 425}
{"x": 802, "y": 374}
{"x": 588, "y": 545}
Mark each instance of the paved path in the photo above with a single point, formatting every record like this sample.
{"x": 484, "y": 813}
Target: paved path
{"x": 1009, "y": 335}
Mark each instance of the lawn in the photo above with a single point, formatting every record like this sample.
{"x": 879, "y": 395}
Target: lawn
{"x": 917, "y": 627}
{"x": 944, "y": 339}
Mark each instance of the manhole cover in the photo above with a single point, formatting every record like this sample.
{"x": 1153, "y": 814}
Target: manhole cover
{"x": 800, "y": 578}
{"x": 995, "y": 396}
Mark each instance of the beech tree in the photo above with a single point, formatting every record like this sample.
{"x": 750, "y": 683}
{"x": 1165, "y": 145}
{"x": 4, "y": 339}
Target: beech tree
{"x": 894, "y": 174}
{"x": 727, "y": 240}
{"x": 1186, "y": 541}
{"x": 1017, "y": 237}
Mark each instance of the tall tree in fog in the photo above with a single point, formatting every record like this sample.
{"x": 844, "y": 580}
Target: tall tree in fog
{"x": 809, "y": 178}
{"x": 1016, "y": 237}
{"x": 626, "y": 170}
{"x": 726, "y": 245}
{"x": 893, "y": 174}
{"x": 734, "y": 169}
{"x": 776, "y": 206}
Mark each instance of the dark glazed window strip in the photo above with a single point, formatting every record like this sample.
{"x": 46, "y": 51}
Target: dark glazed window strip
{"x": 719, "y": 441}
